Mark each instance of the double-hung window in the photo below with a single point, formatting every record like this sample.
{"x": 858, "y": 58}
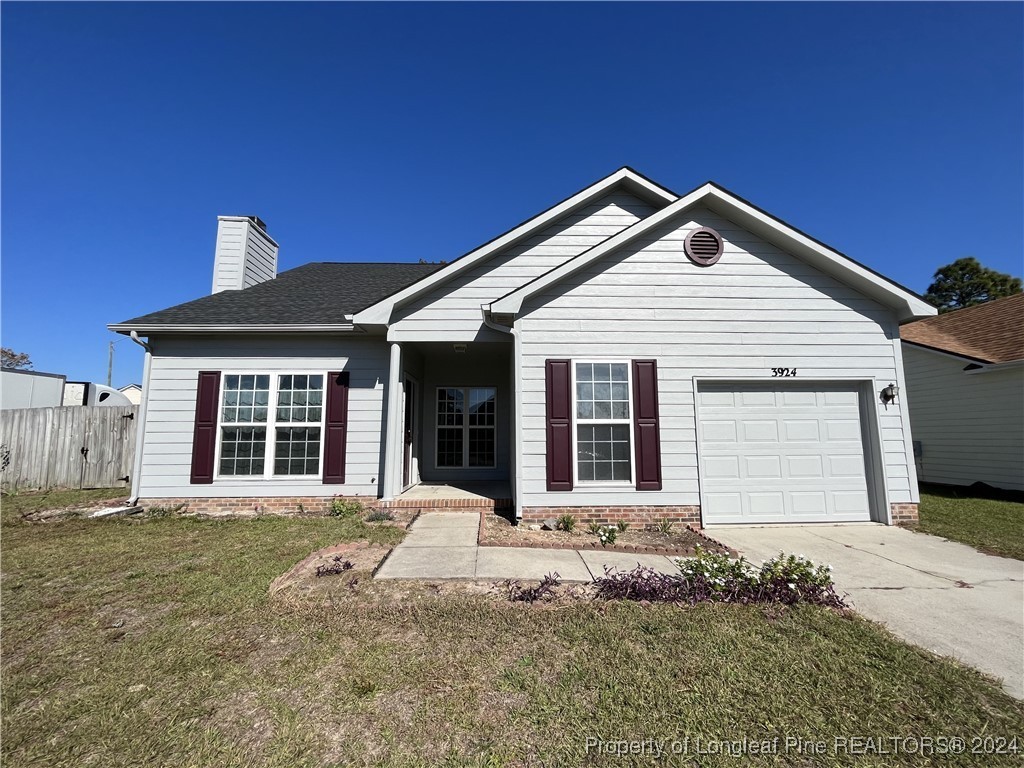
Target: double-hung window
{"x": 603, "y": 422}
{"x": 466, "y": 426}
{"x": 271, "y": 425}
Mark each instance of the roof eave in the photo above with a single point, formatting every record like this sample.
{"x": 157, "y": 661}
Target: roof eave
{"x": 144, "y": 329}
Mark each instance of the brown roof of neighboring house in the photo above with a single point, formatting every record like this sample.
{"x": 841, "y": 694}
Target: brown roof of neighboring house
{"x": 992, "y": 332}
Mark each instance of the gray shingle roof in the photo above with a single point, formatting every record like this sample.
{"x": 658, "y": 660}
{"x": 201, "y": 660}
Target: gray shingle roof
{"x": 321, "y": 293}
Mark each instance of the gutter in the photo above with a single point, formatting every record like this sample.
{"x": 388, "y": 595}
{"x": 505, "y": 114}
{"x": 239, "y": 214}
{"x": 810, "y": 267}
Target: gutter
{"x": 183, "y": 328}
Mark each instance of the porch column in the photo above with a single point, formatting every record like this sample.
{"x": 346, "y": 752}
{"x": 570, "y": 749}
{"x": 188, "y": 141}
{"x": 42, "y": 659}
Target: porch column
{"x": 392, "y": 485}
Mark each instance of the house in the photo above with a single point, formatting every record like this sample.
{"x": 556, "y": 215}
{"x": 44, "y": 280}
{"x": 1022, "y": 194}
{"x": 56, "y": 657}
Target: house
{"x": 133, "y": 392}
{"x": 965, "y": 392}
{"x": 34, "y": 389}
{"x": 626, "y": 353}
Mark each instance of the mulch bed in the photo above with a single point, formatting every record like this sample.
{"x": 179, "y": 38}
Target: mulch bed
{"x": 302, "y": 577}
{"x": 496, "y": 530}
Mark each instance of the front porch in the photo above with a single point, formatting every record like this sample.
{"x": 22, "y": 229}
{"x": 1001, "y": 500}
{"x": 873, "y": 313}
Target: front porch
{"x": 450, "y": 416}
{"x": 488, "y": 495}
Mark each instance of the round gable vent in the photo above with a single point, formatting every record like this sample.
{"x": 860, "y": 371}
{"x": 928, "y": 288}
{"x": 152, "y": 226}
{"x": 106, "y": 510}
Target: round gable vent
{"x": 703, "y": 246}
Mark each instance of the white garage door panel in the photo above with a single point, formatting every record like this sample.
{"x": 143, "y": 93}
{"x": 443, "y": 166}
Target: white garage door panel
{"x": 782, "y": 453}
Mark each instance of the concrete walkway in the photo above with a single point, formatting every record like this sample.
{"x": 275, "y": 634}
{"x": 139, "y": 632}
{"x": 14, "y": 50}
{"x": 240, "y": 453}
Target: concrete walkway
{"x": 941, "y": 595}
{"x": 443, "y": 545}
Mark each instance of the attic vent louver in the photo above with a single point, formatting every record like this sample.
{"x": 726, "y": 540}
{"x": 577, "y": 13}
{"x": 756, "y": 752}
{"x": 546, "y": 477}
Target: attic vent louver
{"x": 703, "y": 246}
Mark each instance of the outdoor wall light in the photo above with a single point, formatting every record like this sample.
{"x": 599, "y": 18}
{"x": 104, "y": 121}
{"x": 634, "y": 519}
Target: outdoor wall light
{"x": 460, "y": 348}
{"x": 889, "y": 394}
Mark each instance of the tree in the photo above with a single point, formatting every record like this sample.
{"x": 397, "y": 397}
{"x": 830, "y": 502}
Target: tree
{"x": 965, "y": 283}
{"x": 11, "y": 359}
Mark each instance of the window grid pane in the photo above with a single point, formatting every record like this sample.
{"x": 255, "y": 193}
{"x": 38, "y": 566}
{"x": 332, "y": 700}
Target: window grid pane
{"x": 297, "y": 451}
{"x": 245, "y": 399}
{"x": 300, "y": 399}
{"x": 449, "y": 447}
{"x": 242, "y": 450}
{"x": 602, "y": 452}
{"x": 602, "y": 391}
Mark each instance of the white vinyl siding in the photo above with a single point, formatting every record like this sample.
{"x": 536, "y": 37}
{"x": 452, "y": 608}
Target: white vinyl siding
{"x": 244, "y": 256}
{"x": 167, "y": 454}
{"x": 757, "y": 309}
{"x": 452, "y": 311}
{"x": 970, "y": 425}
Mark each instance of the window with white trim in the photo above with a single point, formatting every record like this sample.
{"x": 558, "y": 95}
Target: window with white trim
{"x": 466, "y": 427}
{"x": 601, "y": 395}
{"x": 259, "y": 440}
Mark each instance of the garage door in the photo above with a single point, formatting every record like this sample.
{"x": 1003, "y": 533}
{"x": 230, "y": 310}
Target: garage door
{"x": 782, "y": 453}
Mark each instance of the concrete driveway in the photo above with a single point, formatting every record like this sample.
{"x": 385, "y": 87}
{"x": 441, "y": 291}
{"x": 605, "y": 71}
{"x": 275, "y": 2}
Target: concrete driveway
{"x": 938, "y": 594}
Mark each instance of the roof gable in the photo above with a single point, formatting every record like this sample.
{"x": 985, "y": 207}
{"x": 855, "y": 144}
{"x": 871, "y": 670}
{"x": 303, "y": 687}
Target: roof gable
{"x": 906, "y": 303}
{"x": 992, "y": 332}
{"x": 635, "y": 183}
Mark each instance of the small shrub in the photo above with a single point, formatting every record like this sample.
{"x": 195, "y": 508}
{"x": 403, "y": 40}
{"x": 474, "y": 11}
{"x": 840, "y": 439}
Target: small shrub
{"x": 622, "y": 525}
{"x": 543, "y": 591}
{"x": 379, "y": 516}
{"x": 345, "y": 508}
{"x": 712, "y": 577}
{"x": 594, "y": 528}
{"x": 794, "y": 578}
{"x": 333, "y": 568}
{"x": 566, "y": 523}
{"x": 664, "y": 525}
{"x": 607, "y": 534}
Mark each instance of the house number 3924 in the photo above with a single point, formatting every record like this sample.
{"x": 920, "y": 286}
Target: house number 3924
{"x": 783, "y": 371}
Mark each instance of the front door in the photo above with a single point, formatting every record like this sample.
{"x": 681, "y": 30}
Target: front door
{"x": 408, "y": 432}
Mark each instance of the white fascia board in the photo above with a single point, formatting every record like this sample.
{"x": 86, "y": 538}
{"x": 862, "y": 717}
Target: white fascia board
{"x": 295, "y": 328}
{"x": 907, "y": 304}
{"x": 380, "y": 313}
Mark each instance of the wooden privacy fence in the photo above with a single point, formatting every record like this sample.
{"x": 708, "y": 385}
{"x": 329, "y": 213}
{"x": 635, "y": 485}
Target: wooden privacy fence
{"x": 76, "y": 446}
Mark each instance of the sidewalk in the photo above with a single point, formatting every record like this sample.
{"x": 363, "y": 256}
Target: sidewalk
{"x": 443, "y": 545}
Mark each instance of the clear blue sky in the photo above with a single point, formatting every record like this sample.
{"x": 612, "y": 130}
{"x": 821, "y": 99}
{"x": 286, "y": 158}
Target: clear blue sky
{"x": 397, "y": 132}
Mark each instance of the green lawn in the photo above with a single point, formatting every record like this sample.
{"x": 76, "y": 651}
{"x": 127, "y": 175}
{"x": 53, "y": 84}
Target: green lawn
{"x": 995, "y": 527}
{"x": 153, "y": 643}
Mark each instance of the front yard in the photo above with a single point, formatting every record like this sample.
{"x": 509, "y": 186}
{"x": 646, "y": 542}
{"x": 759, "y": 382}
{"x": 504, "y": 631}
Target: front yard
{"x": 154, "y": 642}
{"x": 991, "y": 526}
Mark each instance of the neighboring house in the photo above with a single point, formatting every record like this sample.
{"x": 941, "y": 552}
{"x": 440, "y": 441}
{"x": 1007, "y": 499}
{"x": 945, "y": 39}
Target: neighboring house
{"x": 30, "y": 389}
{"x": 965, "y": 391}
{"x": 133, "y": 392}
{"x": 627, "y": 352}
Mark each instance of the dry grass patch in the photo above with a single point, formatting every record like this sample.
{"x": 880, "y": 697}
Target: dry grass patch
{"x": 209, "y": 669}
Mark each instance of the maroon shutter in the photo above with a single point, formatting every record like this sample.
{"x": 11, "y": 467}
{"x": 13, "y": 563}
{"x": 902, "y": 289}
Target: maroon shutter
{"x": 558, "y": 388}
{"x": 645, "y": 425}
{"x": 204, "y": 436}
{"x": 336, "y": 428}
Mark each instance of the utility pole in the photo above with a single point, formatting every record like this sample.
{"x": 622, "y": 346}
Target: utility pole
{"x": 110, "y": 363}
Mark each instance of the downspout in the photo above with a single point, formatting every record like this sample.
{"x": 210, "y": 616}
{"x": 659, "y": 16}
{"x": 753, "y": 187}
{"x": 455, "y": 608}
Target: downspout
{"x": 517, "y": 422}
{"x": 140, "y": 428}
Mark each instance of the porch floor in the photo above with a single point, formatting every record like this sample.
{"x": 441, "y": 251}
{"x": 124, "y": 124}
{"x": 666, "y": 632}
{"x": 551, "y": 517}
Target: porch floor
{"x": 467, "y": 495}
